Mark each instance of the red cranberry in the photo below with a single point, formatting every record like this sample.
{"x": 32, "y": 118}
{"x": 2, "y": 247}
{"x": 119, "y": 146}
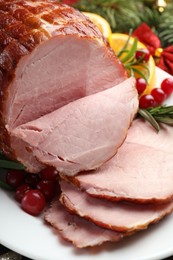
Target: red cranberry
{"x": 159, "y": 95}
{"x": 167, "y": 86}
{"x": 32, "y": 179}
{"x": 146, "y": 101}
{"x": 142, "y": 54}
{"x": 21, "y": 191}
{"x": 14, "y": 178}
{"x": 48, "y": 188}
{"x": 140, "y": 85}
{"x": 49, "y": 173}
{"x": 33, "y": 202}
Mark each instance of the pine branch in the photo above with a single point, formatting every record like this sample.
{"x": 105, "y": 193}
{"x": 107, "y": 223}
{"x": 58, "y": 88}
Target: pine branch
{"x": 165, "y": 28}
{"x": 125, "y": 15}
{"x": 121, "y": 15}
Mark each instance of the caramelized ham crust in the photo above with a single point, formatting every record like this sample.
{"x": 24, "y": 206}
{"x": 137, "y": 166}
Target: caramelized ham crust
{"x": 50, "y": 55}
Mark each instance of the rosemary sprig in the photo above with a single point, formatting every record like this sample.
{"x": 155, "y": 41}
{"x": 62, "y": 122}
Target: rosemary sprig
{"x": 133, "y": 65}
{"x": 130, "y": 53}
{"x": 156, "y": 115}
{"x": 145, "y": 114}
{"x": 7, "y": 164}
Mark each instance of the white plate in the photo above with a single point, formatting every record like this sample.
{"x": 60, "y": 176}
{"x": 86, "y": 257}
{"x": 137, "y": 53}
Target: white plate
{"x": 31, "y": 237}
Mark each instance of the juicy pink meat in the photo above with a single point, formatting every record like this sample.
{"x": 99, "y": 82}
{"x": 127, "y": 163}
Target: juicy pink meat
{"x": 142, "y": 170}
{"x": 119, "y": 216}
{"x": 50, "y": 55}
{"x": 57, "y": 72}
{"x": 79, "y": 231}
{"x": 85, "y": 133}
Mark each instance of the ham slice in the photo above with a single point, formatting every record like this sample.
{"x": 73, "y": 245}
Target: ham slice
{"x": 50, "y": 55}
{"x": 79, "y": 231}
{"x": 85, "y": 133}
{"x": 141, "y": 171}
{"x": 118, "y": 216}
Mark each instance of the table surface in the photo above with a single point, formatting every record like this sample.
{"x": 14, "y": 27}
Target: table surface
{"x": 4, "y": 250}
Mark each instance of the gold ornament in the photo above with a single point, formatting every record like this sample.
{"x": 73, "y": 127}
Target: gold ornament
{"x": 160, "y": 5}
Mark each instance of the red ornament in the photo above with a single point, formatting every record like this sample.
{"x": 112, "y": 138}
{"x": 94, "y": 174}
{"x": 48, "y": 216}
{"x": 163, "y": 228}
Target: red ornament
{"x": 164, "y": 56}
{"x": 147, "y": 37}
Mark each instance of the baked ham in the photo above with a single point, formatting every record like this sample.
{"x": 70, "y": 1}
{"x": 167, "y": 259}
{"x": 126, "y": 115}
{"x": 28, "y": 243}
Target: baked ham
{"x": 83, "y": 134}
{"x": 79, "y": 231}
{"x": 141, "y": 171}
{"x": 50, "y": 55}
{"x": 118, "y": 216}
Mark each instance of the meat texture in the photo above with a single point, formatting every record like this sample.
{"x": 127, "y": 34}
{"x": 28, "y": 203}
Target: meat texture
{"x": 118, "y": 216}
{"x": 50, "y": 55}
{"x": 141, "y": 171}
{"x": 85, "y": 133}
{"x": 79, "y": 231}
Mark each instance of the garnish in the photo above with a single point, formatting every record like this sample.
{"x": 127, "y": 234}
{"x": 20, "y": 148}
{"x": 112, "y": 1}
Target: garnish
{"x": 7, "y": 164}
{"x": 32, "y": 191}
{"x": 156, "y": 115}
{"x": 135, "y": 57}
{"x": 5, "y": 185}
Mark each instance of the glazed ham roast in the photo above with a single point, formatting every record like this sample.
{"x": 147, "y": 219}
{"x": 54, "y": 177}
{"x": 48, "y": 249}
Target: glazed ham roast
{"x": 65, "y": 101}
{"x": 50, "y": 55}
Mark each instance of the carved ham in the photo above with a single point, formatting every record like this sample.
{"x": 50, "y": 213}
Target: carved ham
{"x": 85, "y": 133}
{"x": 119, "y": 216}
{"x": 79, "y": 231}
{"x": 50, "y": 55}
{"x": 141, "y": 171}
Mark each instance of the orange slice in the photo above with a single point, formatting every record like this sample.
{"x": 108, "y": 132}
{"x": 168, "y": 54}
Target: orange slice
{"x": 117, "y": 42}
{"x": 100, "y": 22}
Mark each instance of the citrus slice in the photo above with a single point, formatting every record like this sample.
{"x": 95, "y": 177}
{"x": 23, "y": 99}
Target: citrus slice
{"x": 117, "y": 42}
{"x": 100, "y": 22}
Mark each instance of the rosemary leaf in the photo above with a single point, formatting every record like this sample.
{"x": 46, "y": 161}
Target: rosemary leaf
{"x": 141, "y": 74}
{"x": 11, "y": 165}
{"x": 124, "y": 49}
{"x": 148, "y": 117}
{"x": 131, "y": 72}
{"x": 5, "y": 186}
{"x": 161, "y": 110}
{"x": 131, "y": 52}
{"x": 165, "y": 120}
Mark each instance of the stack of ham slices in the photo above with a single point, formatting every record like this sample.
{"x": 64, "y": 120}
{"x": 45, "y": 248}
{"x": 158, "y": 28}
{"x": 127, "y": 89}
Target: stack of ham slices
{"x": 123, "y": 196}
{"x": 66, "y": 102}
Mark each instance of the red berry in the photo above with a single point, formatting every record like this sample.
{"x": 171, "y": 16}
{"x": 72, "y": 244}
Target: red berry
{"x": 159, "y": 95}
{"x": 142, "y": 54}
{"x": 167, "y": 86}
{"x": 33, "y": 202}
{"x": 49, "y": 173}
{"x": 140, "y": 85}
{"x": 146, "y": 101}
{"x": 32, "y": 179}
{"x": 48, "y": 188}
{"x": 14, "y": 178}
{"x": 21, "y": 191}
